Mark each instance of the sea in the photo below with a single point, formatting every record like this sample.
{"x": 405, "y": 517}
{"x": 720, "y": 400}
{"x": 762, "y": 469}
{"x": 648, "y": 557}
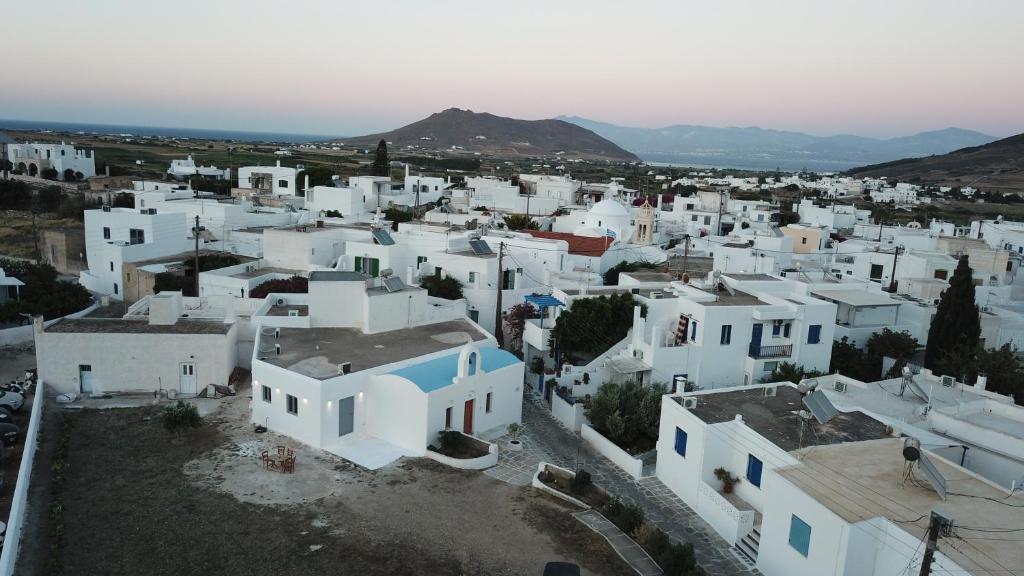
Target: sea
{"x": 162, "y": 131}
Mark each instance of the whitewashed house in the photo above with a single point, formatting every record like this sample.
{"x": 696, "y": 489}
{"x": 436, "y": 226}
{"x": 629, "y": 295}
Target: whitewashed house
{"x": 830, "y": 496}
{"x": 10, "y": 288}
{"x": 274, "y": 180}
{"x": 372, "y": 370}
{"x": 33, "y": 158}
{"x": 184, "y": 169}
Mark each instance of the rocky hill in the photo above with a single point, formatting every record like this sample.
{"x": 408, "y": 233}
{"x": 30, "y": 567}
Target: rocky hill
{"x": 456, "y": 129}
{"x": 997, "y": 166}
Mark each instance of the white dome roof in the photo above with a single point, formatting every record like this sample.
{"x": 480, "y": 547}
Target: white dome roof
{"x": 609, "y": 208}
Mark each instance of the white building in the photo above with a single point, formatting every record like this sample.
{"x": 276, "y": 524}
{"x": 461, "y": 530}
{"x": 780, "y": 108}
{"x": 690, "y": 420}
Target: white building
{"x": 10, "y": 288}
{"x": 837, "y": 498}
{"x": 33, "y": 158}
{"x": 183, "y": 169}
{"x": 164, "y": 343}
{"x": 373, "y": 372}
{"x": 269, "y": 180}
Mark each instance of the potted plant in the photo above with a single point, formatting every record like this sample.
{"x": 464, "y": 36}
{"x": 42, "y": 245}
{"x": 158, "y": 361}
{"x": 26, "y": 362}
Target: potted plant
{"x": 727, "y": 479}
{"x": 514, "y": 443}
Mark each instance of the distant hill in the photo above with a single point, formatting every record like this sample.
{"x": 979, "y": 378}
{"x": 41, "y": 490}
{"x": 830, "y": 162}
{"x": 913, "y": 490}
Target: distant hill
{"x": 498, "y": 136}
{"x": 758, "y": 148}
{"x": 996, "y": 166}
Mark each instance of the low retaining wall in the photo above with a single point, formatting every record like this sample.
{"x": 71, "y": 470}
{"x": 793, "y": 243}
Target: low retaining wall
{"x": 536, "y": 483}
{"x": 19, "y": 498}
{"x": 569, "y": 415}
{"x": 25, "y": 334}
{"x": 480, "y": 463}
{"x": 731, "y": 523}
{"x": 633, "y": 466}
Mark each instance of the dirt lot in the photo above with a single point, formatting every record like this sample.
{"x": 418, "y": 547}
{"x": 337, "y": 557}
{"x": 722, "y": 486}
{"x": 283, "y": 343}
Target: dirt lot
{"x": 140, "y": 501}
{"x": 14, "y": 360}
{"x": 16, "y": 237}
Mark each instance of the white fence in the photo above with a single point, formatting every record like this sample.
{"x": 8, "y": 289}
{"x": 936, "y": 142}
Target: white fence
{"x": 570, "y": 415}
{"x": 730, "y": 522}
{"x": 12, "y": 542}
{"x": 633, "y": 466}
{"x": 23, "y": 334}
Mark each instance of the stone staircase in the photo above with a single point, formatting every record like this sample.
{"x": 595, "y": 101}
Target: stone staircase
{"x": 749, "y": 544}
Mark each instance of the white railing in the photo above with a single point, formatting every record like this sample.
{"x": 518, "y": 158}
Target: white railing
{"x": 12, "y": 541}
{"x": 730, "y": 522}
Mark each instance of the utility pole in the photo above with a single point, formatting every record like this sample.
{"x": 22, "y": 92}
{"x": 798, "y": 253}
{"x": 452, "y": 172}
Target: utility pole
{"x": 720, "y": 193}
{"x": 498, "y": 328}
{"x": 934, "y": 523}
{"x": 195, "y": 232}
{"x": 892, "y": 277}
{"x": 686, "y": 252}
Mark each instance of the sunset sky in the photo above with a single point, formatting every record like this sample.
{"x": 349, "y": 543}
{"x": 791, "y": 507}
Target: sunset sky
{"x": 869, "y": 67}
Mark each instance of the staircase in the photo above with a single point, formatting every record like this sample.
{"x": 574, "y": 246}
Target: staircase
{"x": 749, "y": 544}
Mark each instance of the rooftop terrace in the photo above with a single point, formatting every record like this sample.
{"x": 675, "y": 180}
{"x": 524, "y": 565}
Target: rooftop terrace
{"x": 317, "y": 352}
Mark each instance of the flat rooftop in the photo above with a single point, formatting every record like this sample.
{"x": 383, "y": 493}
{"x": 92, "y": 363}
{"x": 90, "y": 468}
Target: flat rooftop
{"x": 317, "y": 352}
{"x": 285, "y": 310}
{"x": 775, "y": 418}
{"x": 609, "y": 290}
{"x": 264, "y": 271}
{"x": 862, "y": 480}
{"x": 119, "y": 326}
{"x": 758, "y": 277}
{"x": 734, "y": 298}
{"x": 649, "y": 276}
{"x": 856, "y": 297}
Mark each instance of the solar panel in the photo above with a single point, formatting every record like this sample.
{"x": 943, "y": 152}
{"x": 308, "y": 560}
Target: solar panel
{"x": 393, "y": 284}
{"x": 820, "y": 406}
{"x": 932, "y": 474}
{"x": 383, "y": 237}
{"x": 480, "y": 248}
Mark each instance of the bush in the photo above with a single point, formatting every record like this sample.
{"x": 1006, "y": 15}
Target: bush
{"x": 628, "y": 517}
{"x": 653, "y": 540}
{"x": 179, "y": 415}
{"x": 448, "y": 288}
{"x": 628, "y": 414}
{"x": 450, "y": 440}
{"x": 580, "y": 482}
{"x": 293, "y": 285}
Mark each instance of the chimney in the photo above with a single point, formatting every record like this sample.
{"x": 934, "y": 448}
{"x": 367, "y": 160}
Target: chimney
{"x": 306, "y": 185}
{"x": 981, "y": 383}
{"x": 107, "y": 170}
{"x": 637, "y": 326}
{"x": 410, "y": 275}
{"x": 278, "y": 163}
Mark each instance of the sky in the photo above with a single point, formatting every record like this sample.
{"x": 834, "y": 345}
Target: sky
{"x": 878, "y": 68}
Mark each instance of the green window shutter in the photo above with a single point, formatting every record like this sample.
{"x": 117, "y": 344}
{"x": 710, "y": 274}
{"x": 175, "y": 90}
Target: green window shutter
{"x": 374, "y": 267}
{"x": 359, "y": 264}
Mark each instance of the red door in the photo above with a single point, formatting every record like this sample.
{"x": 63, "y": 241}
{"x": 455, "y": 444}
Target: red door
{"x": 467, "y": 417}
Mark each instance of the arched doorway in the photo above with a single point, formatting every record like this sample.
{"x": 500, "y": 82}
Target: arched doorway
{"x": 33, "y": 170}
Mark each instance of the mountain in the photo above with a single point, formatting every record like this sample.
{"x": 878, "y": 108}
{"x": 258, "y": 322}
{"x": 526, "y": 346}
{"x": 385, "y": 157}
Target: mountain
{"x": 996, "y": 166}
{"x": 759, "y": 148}
{"x": 498, "y": 136}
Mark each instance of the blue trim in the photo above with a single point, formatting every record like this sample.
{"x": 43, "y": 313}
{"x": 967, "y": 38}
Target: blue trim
{"x": 799, "y": 535}
{"x": 544, "y": 300}
{"x": 754, "y": 467}
{"x": 681, "y": 442}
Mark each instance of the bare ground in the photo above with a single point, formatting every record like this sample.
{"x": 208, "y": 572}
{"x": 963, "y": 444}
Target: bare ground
{"x": 140, "y": 501}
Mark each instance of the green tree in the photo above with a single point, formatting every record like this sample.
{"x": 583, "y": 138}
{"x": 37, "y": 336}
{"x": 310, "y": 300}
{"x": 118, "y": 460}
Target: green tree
{"x": 956, "y": 327}
{"x": 897, "y": 345}
{"x": 69, "y": 175}
{"x": 1004, "y": 371}
{"x": 397, "y": 216}
{"x": 611, "y": 277}
{"x": 381, "y": 161}
{"x": 49, "y": 173}
{"x": 448, "y": 287}
{"x": 43, "y": 293}
{"x": 790, "y": 372}
{"x": 520, "y": 222}
{"x": 592, "y": 325}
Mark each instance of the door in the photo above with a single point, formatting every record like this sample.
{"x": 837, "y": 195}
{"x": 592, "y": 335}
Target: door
{"x": 467, "y": 417}
{"x": 187, "y": 378}
{"x": 346, "y": 415}
{"x": 85, "y": 378}
{"x": 755, "y": 339}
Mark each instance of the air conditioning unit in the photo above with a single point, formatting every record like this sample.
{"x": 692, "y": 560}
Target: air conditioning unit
{"x": 839, "y": 386}
{"x": 948, "y": 381}
{"x": 769, "y": 391}
{"x": 655, "y": 294}
{"x": 690, "y": 403}
{"x": 106, "y": 208}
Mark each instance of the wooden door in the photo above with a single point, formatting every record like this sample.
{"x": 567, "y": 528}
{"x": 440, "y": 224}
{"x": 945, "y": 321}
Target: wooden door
{"x": 467, "y": 417}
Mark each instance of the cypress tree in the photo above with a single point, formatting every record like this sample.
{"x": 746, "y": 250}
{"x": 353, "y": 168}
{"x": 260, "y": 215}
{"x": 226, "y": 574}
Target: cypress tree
{"x": 956, "y": 327}
{"x": 381, "y": 163}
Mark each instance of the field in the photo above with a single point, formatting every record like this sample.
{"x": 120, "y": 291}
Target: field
{"x": 16, "y": 237}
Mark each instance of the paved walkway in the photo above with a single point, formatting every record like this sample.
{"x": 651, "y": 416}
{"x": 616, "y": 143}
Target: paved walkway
{"x": 545, "y": 440}
{"x": 630, "y": 551}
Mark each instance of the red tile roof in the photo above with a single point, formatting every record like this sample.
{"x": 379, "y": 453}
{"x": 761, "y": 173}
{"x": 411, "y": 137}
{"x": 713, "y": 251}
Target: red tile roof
{"x": 580, "y": 245}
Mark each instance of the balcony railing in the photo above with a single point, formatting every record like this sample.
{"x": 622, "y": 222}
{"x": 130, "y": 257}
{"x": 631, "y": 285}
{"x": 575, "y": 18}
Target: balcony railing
{"x": 776, "y": 351}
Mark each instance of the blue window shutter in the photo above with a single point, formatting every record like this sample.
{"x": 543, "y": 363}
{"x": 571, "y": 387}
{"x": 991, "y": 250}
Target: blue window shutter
{"x": 754, "y": 467}
{"x": 814, "y": 334}
{"x": 776, "y": 328}
{"x": 799, "y": 535}
{"x": 681, "y": 442}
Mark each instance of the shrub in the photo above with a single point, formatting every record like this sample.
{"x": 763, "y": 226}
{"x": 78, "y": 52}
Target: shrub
{"x": 293, "y": 285}
{"x": 628, "y": 414}
{"x": 628, "y": 517}
{"x": 450, "y": 440}
{"x": 448, "y": 287}
{"x": 653, "y": 540}
{"x": 678, "y": 560}
{"x": 580, "y": 482}
{"x": 179, "y": 415}
{"x": 727, "y": 479}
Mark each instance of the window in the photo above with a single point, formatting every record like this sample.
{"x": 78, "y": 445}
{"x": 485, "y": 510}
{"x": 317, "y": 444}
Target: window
{"x": 760, "y": 217}
{"x": 707, "y": 220}
{"x": 681, "y": 442}
{"x": 693, "y": 331}
{"x": 941, "y": 274}
{"x": 799, "y": 535}
{"x": 370, "y": 266}
{"x": 448, "y": 418}
{"x": 282, "y": 183}
{"x": 814, "y": 334}
{"x": 472, "y": 277}
{"x": 508, "y": 280}
{"x": 293, "y": 405}
{"x": 776, "y": 329}
{"x": 106, "y": 233}
{"x": 803, "y": 240}
{"x": 754, "y": 466}
{"x": 136, "y": 236}
{"x": 474, "y": 315}
{"x": 876, "y": 271}
{"x": 267, "y": 397}
{"x": 770, "y": 367}
{"x": 111, "y": 266}
{"x": 53, "y": 252}
{"x": 726, "y": 335}
{"x": 420, "y": 260}
{"x": 115, "y": 288}
{"x": 487, "y": 403}
{"x": 693, "y": 218}
{"x": 786, "y": 330}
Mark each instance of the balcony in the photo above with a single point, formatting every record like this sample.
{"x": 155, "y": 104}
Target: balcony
{"x": 775, "y": 351}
